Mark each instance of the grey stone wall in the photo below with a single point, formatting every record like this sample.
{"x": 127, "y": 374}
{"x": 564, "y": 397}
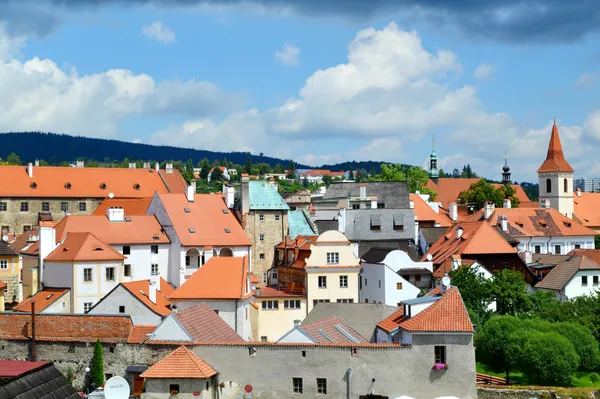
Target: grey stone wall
{"x": 269, "y": 369}
{"x": 491, "y": 393}
{"x": 274, "y": 231}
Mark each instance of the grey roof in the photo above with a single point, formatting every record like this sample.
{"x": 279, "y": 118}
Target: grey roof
{"x": 393, "y": 194}
{"x": 422, "y": 299}
{"x": 414, "y": 270}
{"x": 5, "y": 250}
{"x": 363, "y": 317}
{"x": 135, "y": 369}
{"x": 566, "y": 267}
{"x": 359, "y": 222}
{"x": 43, "y": 382}
{"x": 376, "y": 255}
{"x": 326, "y": 225}
{"x": 431, "y": 234}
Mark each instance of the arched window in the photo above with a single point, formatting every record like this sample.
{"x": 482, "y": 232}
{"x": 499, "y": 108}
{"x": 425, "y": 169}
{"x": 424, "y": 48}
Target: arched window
{"x": 566, "y": 185}
{"x": 226, "y": 252}
{"x": 548, "y": 186}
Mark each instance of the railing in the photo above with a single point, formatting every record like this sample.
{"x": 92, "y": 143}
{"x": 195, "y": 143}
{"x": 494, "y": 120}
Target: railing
{"x": 490, "y": 379}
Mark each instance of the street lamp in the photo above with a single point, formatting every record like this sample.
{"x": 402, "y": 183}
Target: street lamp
{"x": 86, "y": 382}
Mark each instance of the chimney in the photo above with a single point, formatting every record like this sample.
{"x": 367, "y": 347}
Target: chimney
{"x": 30, "y": 169}
{"x": 47, "y": 244}
{"x": 459, "y": 232}
{"x": 504, "y": 223}
{"x": 257, "y": 291}
{"x": 526, "y": 256}
{"x": 153, "y": 286}
{"x": 191, "y": 191}
{"x": 578, "y": 192}
{"x": 507, "y": 203}
{"x": 453, "y": 211}
{"x": 245, "y": 194}
{"x": 363, "y": 191}
{"x": 297, "y": 323}
{"x": 169, "y": 168}
{"x": 37, "y": 162}
{"x": 115, "y": 214}
{"x": 342, "y": 220}
{"x": 229, "y": 193}
{"x": 488, "y": 209}
{"x": 132, "y": 165}
{"x": 80, "y": 164}
{"x": 545, "y": 203}
{"x": 274, "y": 184}
{"x": 146, "y": 165}
{"x": 156, "y": 167}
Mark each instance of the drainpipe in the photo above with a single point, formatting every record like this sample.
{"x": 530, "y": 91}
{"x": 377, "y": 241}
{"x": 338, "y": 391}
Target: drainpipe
{"x": 236, "y": 316}
{"x": 348, "y": 375}
{"x": 548, "y": 245}
{"x": 528, "y": 247}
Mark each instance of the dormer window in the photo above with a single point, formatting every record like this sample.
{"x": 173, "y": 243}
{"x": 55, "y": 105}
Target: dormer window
{"x": 103, "y": 186}
{"x": 567, "y": 224}
{"x": 542, "y": 224}
{"x": 136, "y": 186}
{"x": 33, "y": 185}
{"x": 191, "y": 230}
{"x": 227, "y": 231}
{"x": 68, "y": 185}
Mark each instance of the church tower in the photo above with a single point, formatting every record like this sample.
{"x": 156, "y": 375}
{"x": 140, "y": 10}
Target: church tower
{"x": 506, "y": 172}
{"x": 433, "y": 168}
{"x": 556, "y": 177}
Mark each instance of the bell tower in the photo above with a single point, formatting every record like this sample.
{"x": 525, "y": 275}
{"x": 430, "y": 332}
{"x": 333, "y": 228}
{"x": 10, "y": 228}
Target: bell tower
{"x": 434, "y": 174}
{"x": 506, "y": 172}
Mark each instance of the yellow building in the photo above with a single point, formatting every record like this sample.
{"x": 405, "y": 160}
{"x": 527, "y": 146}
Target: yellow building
{"x": 277, "y": 312}
{"x": 10, "y": 273}
{"x": 332, "y": 270}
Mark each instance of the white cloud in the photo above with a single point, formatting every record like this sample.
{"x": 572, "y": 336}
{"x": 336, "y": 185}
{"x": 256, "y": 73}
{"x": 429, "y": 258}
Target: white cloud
{"x": 587, "y": 79}
{"x": 288, "y": 56}
{"x": 10, "y": 46}
{"x": 592, "y": 125}
{"x": 483, "y": 71}
{"x": 159, "y": 32}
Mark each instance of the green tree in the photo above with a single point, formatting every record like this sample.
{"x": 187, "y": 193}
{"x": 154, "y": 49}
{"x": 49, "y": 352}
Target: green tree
{"x": 97, "y": 368}
{"x": 493, "y": 341}
{"x": 248, "y": 165}
{"x": 327, "y": 180}
{"x": 225, "y": 163}
{"x": 13, "y": 159}
{"x": 216, "y": 175}
{"x": 508, "y": 289}
{"x": 264, "y": 168}
{"x": 597, "y": 242}
{"x": 584, "y": 343}
{"x": 291, "y": 174}
{"x": 481, "y": 192}
{"x": 69, "y": 375}
{"x": 278, "y": 168}
{"x": 509, "y": 192}
{"x": 358, "y": 177}
{"x": 441, "y": 173}
{"x": 204, "y": 168}
{"x": 415, "y": 176}
{"x": 474, "y": 289}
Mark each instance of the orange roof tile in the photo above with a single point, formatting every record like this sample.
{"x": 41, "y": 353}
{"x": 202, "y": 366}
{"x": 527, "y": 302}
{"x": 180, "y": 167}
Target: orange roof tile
{"x": 174, "y": 181}
{"x": 593, "y": 254}
{"x": 83, "y": 247}
{"x": 140, "y": 230}
{"x": 203, "y": 324}
{"x": 219, "y": 278}
{"x": 586, "y": 208}
{"x": 393, "y": 321}
{"x": 268, "y": 292}
{"x": 140, "y": 289}
{"x": 209, "y": 218}
{"x": 131, "y": 206}
{"x": 555, "y": 159}
{"x": 425, "y": 213}
{"x": 139, "y": 334}
{"x": 42, "y": 300}
{"x": 54, "y": 181}
{"x": 540, "y": 222}
{"x": 75, "y": 327}
{"x": 448, "y": 189}
{"x": 25, "y": 240}
{"x": 181, "y": 363}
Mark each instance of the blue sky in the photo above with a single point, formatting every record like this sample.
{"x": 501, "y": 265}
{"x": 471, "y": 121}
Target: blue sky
{"x": 320, "y": 83}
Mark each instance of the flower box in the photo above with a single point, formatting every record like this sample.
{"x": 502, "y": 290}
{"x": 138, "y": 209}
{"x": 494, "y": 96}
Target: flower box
{"x": 440, "y": 366}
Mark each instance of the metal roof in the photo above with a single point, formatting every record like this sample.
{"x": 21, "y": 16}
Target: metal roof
{"x": 298, "y": 224}
{"x": 263, "y": 196}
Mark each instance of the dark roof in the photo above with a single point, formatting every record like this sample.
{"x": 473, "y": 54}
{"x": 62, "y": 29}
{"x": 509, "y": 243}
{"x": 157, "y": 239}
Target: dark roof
{"x": 5, "y": 250}
{"x": 376, "y": 255}
{"x": 414, "y": 270}
{"x": 359, "y": 222}
{"x": 566, "y": 266}
{"x": 432, "y": 234}
{"x": 326, "y": 225}
{"x": 135, "y": 369}
{"x": 392, "y": 194}
{"x": 42, "y": 382}
{"x": 510, "y": 239}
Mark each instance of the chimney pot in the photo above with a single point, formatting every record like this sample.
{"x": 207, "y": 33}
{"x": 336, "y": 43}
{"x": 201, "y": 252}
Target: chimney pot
{"x": 363, "y": 191}
{"x": 30, "y": 169}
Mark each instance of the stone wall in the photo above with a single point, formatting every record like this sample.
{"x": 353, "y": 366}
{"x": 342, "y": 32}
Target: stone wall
{"x": 493, "y": 393}
{"x": 274, "y": 232}
{"x": 269, "y": 369}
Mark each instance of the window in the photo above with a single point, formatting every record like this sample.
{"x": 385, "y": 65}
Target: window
{"x": 270, "y": 305}
{"x": 26, "y": 228}
{"x": 291, "y": 304}
{"x": 322, "y": 281}
{"x": 127, "y": 270}
{"x": 261, "y": 256}
{"x": 3, "y": 206}
{"x": 64, "y": 206}
{"x": 276, "y": 217}
{"x": 333, "y": 258}
{"x": 126, "y": 250}
{"x": 154, "y": 249}
{"x": 87, "y": 306}
{"x": 344, "y": 300}
{"x": 261, "y": 237}
{"x": 263, "y": 338}
{"x": 87, "y": 275}
{"x": 110, "y": 274}
{"x": 504, "y": 266}
{"x": 297, "y": 385}
{"x": 440, "y": 354}
{"x": 565, "y": 186}
{"x": 82, "y": 207}
{"x": 398, "y": 286}
{"x": 557, "y": 249}
{"x": 173, "y": 389}
{"x": 379, "y": 283}
{"x": 380, "y": 206}
{"x": 584, "y": 281}
{"x": 355, "y": 206}
{"x": 343, "y": 281}
{"x": 3, "y": 264}
{"x": 24, "y": 206}
{"x": 548, "y": 186}
{"x": 45, "y": 206}
{"x": 121, "y": 309}
{"x": 315, "y": 301}
{"x": 595, "y": 280}
{"x": 4, "y": 229}
{"x": 154, "y": 269}
{"x": 322, "y": 386}
{"x": 538, "y": 249}
{"x": 261, "y": 217}
{"x": 375, "y": 227}
{"x": 577, "y": 246}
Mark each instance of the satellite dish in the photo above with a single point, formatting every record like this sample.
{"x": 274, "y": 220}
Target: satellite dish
{"x": 116, "y": 388}
{"x": 446, "y": 281}
{"x": 429, "y": 257}
{"x": 111, "y": 195}
{"x": 5, "y": 238}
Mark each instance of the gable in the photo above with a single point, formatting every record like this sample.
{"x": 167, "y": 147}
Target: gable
{"x": 170, "y": 330}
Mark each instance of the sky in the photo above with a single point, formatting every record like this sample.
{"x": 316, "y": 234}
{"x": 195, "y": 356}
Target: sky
{"x": 319, "y": 81}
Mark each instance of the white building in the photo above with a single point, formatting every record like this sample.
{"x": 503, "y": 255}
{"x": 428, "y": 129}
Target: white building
{"x": 570, "y": 276}
{"x": 390, "y": 277}
{"x": 224, "y": 172}
{"x": 199, "y": 226}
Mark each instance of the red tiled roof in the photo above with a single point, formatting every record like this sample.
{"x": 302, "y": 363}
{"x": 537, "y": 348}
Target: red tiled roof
{"x": 139, "y": 334}
{"x": 42, "y": 299}
{"x": 327, "y": 330}
{"x": 540, "y": 222}
{"x": 52, "y": 181}
{"x": 141, "y": 288}
{"x": 555, "y": 159}
{"x": 14, "y": 368}
{"x": 174, "y": 181}
{"x": 181, "y": 363}
{"x": 586, "y": 208}
{"x": 593, "y": 254}
{"x": 268, "y": 292}
{"x": 424, "y": 213}
{"x": 205, "y": 325}
{"x": 219, "y": 278}
{"x": 76, "y": 328}
{"x": 207, "y": 218}
{"x": 131, "y": 206}
{"x": 24, "y": 240}
{"x": 393, "y": 321}
{"x": 448, "y": 189}
{"x": 83, "y": 247}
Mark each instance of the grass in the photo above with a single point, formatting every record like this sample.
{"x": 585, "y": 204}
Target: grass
{"x": 581, "y": 379}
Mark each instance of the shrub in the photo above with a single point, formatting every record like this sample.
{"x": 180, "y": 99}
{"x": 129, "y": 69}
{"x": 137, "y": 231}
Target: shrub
{"x": 548, "y": 358}
{"x": 584, "y": 343}
{"x": 594, "y": 378}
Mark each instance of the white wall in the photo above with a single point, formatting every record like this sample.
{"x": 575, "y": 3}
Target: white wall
{"x": 61, "y": 305}
{"x": 139, "y": 312}
{"x": 295, "y": 336}
{"x": 58, "y": 274}
{"x": 94, "y": 290}
{"x": 170, "y": 330}
{"x": 574, "y": 287}
{"x": 141, "y": 257}
{"x": 373, "y": 276}
{"x": 547, "y": 244}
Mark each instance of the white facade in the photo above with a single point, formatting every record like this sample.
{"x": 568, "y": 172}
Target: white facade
{"x": 549, "y": 245}
{"x": 170, "y": 330}
{"x": 141, "y": 258}
{"x": 194, "y": 257}
{"x": 121, "y": 297}
{"x": 557, "y": 187}
{"x": 60, "y": 305}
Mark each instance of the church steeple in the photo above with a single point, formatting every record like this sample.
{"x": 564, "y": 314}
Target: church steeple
{"x": 506, "y": 172}
{"x": 433, "y": 169}
{"x": 555, "y": 159}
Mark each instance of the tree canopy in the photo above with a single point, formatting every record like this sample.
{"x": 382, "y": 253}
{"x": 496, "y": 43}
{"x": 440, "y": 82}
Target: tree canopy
{"x": 481, "y": 192}
{"x": 415, "y": 176}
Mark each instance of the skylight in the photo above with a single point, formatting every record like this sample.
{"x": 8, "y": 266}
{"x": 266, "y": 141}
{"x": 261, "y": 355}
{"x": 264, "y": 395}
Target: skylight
{"x": 191, "y": 229}
{"x": 225, "y": 211}
{"x": 227, "y": 231}
{"x": 127, "y": 219}
{"x": 567, "y": 224}
{"x": 187, "y": 210}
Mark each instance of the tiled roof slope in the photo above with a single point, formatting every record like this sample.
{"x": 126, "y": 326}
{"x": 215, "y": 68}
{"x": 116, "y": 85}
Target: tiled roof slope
{"x": 565, "y": 269}
{"x": 298, "y": 224}
{"x": 175, "y": 181}
{"x": 205, "y": 325}
{"x": 13, "y": 368}
{"x": 555, "y": 159}
{"x": 393, "y": 194}
{"x": 263, "y": 196}
{"x": 83, "y": 247}
{"x": 82, "y": 328}
{"x": 268, "y": 292}
{"x": 424, "y": 213}
{"x": 181, "y": 363}
{"x": 6, "y": 250}
{"x": 45, "y": 381}
{"x": 540, "y": 222}
{"x": 209, "y": 218}
{"x": 219, "y": 278}
{"x": 139, "y": 334}
{"x": 131, "y": 206}
{"x": 586, "y": 208}
{"x": 592, "y": 254}
{"x": 53, "y": 181}
{"x": 42, "y": 299}
{"x": 24, "y": 240}
{"x": 140, "y": 230}
{"x": 333, "y": 329}
{"x": 448, "y": 189}
{"x": 141, "y": 288}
